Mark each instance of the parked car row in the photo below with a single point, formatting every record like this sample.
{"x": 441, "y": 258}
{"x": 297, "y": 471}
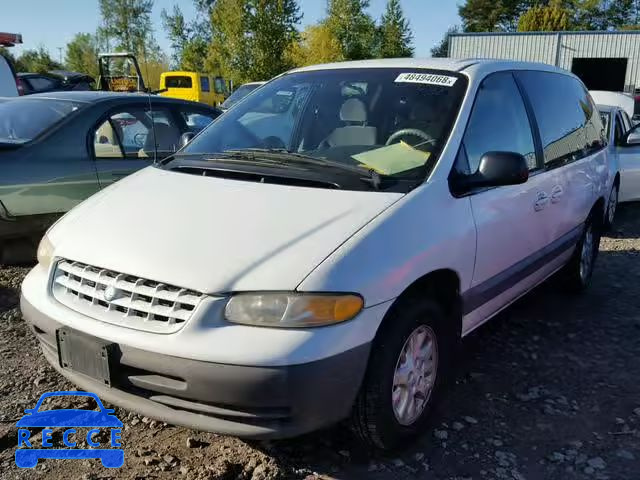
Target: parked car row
{"x": 318, "y": 252}
{"x": 54, "y": 81}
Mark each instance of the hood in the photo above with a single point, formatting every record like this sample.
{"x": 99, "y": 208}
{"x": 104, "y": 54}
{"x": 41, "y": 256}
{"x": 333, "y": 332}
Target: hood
{"x": 213, "y": 235}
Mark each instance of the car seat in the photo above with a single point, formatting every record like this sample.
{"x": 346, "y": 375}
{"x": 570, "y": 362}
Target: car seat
{"x": 356, "y": 131}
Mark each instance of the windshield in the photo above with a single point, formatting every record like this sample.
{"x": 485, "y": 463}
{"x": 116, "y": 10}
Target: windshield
{"x": 238, "y": 95}
{"x": 392, "y": 121}
{"x": 23, "y": 120}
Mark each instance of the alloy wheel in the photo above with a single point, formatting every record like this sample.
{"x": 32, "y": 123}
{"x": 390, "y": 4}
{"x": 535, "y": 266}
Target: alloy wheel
{"x": 415, "y": 375}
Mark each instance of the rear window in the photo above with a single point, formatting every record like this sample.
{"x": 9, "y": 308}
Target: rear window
{"x": 178, "y": 81}
{"x": 24, "y": 119}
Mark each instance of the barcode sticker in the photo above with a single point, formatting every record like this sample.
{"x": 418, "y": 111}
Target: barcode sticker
{"x": 426, "y": 79}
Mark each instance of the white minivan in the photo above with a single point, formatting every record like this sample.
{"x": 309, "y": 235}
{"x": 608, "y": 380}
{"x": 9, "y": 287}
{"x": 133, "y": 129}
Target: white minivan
{"x": 318, "y": 252}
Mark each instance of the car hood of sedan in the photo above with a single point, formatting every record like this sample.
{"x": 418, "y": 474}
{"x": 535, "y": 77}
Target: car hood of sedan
{"x": 213, "y": 235}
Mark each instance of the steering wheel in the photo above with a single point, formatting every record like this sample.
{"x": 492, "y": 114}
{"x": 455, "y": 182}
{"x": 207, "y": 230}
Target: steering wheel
{"x": 139, "y": 139}
{"x": 407, "y": 132}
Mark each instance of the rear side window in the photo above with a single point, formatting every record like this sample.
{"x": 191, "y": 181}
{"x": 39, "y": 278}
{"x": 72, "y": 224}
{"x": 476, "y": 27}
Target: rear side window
{"x": 22, "y": 120}
{"x": 570, "y": 125}
{"x": 498, "y": 122}
{"x": 204, "y": 84}
{"x": 178, "y": 81}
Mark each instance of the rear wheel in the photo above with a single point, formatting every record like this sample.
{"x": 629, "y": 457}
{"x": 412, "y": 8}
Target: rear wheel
{"x": 409, "y": 363}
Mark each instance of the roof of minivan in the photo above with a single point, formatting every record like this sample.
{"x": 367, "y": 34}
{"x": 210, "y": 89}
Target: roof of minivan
{"x": 473, "y": 66}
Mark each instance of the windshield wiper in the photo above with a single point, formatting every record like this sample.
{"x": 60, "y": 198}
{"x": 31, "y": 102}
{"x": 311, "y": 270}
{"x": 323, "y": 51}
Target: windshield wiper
{"x": 372, "y": 177}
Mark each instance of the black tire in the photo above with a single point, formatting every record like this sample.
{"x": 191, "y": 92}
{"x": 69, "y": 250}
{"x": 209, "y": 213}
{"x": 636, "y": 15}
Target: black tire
{"x": 611, "y": 208}
{"x": 576, "y": 277}
{"x": 373, "y": 419}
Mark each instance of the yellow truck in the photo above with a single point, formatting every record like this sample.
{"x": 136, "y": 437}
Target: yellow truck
{"x": 197, "y": 87}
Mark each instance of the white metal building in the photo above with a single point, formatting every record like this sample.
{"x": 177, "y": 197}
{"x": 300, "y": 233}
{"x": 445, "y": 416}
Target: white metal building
{"x": 603, "y": 60}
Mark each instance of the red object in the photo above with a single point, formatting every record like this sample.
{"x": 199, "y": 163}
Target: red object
{"x": 10, "y": 39}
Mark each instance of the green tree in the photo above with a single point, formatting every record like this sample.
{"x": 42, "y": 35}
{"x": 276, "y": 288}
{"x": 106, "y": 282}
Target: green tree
{"x": 354, "y": 29}
{"x": 493, "y": 15}
{"x": 189, "y": 40}
{"x": 550, "y": 18}
{"x": 272, "y": 28}
{"x": 395, "y": 37}
{"x": 178, "y": 33}
{"x": 317, "y": 45}
{"x": 251, "y": 39}
{"x": 82, "y": 54}
{"x": 36, "y": 61}
{"x": 228, "y": 53}
{"x": 127, "y": 26}
{"x": 441, "y": 50}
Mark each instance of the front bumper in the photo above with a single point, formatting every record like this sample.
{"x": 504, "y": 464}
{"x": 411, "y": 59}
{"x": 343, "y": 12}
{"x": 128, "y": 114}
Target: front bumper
{"x": 251, "y": 402}
{"x": 247, "y": 401}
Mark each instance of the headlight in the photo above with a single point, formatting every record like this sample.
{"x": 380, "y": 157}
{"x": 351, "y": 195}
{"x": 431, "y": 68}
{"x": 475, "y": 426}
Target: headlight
{"x": 45, "y": 252}
{"x": 292, "y": 309}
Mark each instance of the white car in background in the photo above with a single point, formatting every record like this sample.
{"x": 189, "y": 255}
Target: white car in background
{"x": 8, "y": 83}
{"x": 319, "y": 251}
{"x": 624, "y": 101}
{"x": 624, "y": 157}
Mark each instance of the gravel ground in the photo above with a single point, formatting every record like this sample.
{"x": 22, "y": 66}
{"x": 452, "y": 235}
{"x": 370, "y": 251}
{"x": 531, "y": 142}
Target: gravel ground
{"x": 548, "y": 390}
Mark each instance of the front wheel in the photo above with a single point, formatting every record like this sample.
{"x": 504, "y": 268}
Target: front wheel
{"x": 408, "y": 365}
{"x": 612, "y": 207}
{"x": 579, "y": 270}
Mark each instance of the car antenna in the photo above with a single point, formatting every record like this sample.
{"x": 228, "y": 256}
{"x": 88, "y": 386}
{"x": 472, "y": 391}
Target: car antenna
{"x": 153, "y": 129}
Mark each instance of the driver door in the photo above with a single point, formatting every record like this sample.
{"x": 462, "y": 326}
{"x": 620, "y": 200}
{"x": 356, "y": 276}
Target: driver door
{"x": 130, "y": 138}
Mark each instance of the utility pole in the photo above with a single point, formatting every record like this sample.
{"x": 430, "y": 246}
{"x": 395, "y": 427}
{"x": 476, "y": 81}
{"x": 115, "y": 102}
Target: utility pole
{"x": 60, "y": 50}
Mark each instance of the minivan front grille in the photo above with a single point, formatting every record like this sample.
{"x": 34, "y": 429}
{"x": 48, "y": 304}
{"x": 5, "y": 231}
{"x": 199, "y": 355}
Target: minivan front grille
{"x": 123, "y": 299}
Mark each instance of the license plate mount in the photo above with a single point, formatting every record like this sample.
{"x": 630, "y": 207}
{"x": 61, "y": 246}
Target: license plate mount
{"x": 85, "y": 354}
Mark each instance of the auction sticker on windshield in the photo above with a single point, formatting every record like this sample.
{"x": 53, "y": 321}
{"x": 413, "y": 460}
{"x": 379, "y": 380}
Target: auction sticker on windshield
{"x": 426, "y": 79}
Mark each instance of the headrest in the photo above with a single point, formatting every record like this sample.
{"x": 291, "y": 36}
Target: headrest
{"x": 353, "y": 110}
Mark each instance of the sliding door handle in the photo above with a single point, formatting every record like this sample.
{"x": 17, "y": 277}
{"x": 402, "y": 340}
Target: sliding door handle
{"x": 556, "y": 194}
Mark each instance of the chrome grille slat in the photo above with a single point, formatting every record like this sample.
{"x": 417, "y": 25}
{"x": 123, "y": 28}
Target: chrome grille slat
{"x": 139, "y": 303}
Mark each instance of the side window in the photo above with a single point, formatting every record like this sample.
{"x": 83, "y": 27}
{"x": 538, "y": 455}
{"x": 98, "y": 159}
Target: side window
{"x": 130, "y": 133}
{"x": 627, "y": 121}
{"x": 219, "y": 86}
{"x": 204, "y": 84}
{"x": 498, "y": 122}
{"x": 620, "y": 129}
{"x": 196, "y": 120}
{"x": 570, "y": 125}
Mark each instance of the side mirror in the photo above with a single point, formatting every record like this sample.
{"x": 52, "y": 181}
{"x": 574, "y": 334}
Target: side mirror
{"x": 496, "y": 169}
{"x": 186, "y": 138}
{"x": 632, "y": 138}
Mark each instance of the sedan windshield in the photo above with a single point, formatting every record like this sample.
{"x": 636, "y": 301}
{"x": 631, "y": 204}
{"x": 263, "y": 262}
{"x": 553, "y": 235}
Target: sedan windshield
{"x": 394, "y": 122}
{"x": 22, "y": 120}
